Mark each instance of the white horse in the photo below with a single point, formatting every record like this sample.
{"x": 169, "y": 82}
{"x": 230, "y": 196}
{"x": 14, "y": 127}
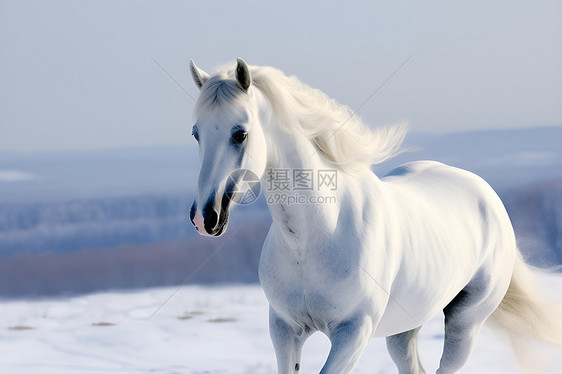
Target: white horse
{"x": 383, "y": 257}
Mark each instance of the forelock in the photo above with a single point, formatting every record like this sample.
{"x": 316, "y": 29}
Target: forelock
{"x": 219, "y": 90}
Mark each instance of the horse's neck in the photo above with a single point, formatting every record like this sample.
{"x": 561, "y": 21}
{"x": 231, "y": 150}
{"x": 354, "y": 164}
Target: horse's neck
{"x": 300, "y": 222}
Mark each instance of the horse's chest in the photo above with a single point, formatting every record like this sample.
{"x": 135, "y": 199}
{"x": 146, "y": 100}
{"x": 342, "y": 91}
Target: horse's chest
{"x": 311, "y": 292}
{"x": 308, "y": 307}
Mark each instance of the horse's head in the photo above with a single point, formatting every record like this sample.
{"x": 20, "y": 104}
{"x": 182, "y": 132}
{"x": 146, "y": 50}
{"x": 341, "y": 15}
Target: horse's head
{"x": 230, "y": 136}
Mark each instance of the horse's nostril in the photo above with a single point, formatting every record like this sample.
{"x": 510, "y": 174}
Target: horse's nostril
{"x": 212, "y": 220}
{"x": 210, "y": 217}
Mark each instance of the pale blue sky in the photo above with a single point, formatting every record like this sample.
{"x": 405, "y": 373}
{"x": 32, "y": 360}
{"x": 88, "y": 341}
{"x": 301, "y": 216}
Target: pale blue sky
{"x": 78, "y": 75}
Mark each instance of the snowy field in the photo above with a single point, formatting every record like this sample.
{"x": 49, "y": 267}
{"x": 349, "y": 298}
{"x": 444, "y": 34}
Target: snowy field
{"x": 198, "y": 330}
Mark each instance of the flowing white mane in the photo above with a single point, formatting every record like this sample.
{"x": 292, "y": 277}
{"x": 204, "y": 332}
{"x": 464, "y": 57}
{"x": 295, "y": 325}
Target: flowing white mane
{"x": 338, "y": 134}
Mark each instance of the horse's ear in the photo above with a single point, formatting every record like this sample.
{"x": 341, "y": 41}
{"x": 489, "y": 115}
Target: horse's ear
{"x": 243, "y": 76}
{"x": 198, "y": 75}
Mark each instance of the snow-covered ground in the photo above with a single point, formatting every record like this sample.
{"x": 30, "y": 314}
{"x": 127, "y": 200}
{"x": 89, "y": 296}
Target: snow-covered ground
{"x": 195, "y": 330}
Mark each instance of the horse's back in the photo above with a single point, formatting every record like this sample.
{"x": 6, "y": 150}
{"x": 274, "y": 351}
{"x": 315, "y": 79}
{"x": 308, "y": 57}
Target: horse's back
{"x": 412, "y": 171}
{"x": 434, "y": 181}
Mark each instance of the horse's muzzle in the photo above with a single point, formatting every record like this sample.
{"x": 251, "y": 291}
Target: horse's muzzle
{"x": 209, "y": 221}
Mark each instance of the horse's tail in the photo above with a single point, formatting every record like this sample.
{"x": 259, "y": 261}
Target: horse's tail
{"x": 523, "y": 315}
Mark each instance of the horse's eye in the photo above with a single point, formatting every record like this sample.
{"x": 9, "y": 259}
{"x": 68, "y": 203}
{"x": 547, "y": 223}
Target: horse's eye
{"x": 195, "y": 134}
{"x": 239, "y": 136}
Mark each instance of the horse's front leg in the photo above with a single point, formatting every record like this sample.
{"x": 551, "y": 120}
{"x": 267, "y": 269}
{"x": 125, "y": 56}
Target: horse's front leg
{"x": 349, "y": 340}
{"x": 287, "y": 342}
